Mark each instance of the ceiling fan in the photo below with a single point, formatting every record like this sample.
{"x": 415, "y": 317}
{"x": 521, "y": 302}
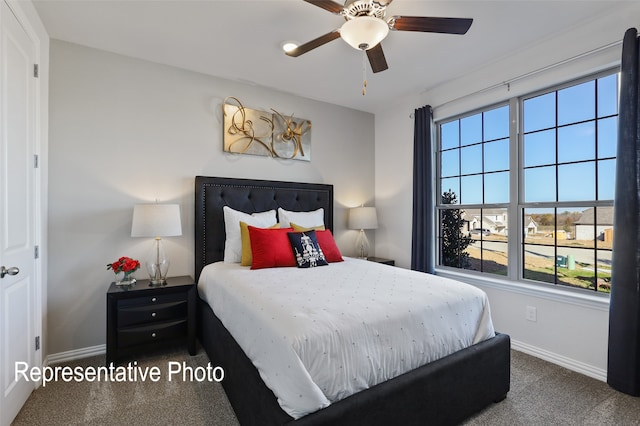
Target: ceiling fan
{"x": 367, "y": 25}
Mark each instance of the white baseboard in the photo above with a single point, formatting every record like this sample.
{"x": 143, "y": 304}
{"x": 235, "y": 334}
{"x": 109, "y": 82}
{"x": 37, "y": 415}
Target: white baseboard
{"x": 75, "y": 354}
{"x": 568, "y": 363}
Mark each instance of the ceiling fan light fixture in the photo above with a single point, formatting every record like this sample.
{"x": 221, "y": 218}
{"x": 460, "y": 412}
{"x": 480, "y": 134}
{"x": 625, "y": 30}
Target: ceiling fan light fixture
{"x": 289, "y": 46}
{"x": 364, "y": 32}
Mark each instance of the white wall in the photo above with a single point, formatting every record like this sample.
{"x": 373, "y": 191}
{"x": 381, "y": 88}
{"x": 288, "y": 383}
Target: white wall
{"x": 125, "y": 131}
{"x": 567, "y": 332}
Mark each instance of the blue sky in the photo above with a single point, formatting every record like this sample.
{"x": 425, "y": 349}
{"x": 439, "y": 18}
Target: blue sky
{"x": 568, "y": 134}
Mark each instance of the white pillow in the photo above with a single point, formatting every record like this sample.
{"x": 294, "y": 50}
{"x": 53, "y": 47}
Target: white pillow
{"x": 304, "y": 219}
{"x": 232, "y": 219}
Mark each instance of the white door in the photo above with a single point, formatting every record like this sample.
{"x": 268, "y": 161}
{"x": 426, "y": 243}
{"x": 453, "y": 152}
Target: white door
{"x": 17, "y": 94}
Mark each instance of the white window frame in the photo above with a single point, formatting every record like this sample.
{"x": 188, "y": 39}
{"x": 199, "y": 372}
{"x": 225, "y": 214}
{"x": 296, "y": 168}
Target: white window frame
{"x": 514, "y": 281}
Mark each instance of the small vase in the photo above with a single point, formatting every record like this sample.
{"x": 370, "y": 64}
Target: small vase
{"x": 125, "y": 278}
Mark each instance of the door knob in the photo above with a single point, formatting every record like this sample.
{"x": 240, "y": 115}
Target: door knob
{"x": 11, "y": 271}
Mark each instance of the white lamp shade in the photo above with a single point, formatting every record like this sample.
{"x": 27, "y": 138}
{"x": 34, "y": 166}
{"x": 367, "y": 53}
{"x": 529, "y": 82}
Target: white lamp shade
{"x": 364, "y": 32}
{"x": 156, "y": 220}
{"x": 363, "y": 218}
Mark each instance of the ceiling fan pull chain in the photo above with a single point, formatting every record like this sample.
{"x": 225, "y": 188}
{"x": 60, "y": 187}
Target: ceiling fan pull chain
{"x": 364, "y": 72}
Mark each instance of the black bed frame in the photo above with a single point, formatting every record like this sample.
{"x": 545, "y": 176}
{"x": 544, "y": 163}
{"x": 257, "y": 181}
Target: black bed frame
{"x": 444, "y": 392}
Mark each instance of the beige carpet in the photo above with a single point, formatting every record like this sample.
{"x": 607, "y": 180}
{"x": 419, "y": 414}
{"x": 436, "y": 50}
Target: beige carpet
{"x": 138, "y": 403}
{"x": 541, "y": 394}
{"x": 544, "y": 394}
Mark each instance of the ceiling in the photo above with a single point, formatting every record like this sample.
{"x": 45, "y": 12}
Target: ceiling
{"x": 241, "y": 40}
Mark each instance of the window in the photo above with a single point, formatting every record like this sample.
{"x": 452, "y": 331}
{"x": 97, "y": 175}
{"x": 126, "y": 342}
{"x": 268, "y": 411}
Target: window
{"x": 474, "y": 171}
{"x": 538, "y": 195}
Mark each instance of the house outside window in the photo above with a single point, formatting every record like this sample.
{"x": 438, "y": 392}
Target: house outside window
{"x": 526, "y": 187}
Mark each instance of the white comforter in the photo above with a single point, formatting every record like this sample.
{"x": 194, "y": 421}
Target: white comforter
{"x": 321, "y": 334}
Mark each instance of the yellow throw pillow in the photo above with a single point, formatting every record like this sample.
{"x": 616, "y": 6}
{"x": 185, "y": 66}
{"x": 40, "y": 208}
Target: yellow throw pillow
{"x": 299, "y": 228}
{"x": 247, "y": 257}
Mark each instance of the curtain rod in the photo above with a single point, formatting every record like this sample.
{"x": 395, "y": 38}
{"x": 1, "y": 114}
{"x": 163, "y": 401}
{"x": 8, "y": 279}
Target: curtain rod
{"x": 529, "y": 74}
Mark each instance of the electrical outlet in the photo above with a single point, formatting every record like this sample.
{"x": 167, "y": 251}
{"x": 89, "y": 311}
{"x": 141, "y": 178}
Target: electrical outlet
{"x": 531, "y": 314}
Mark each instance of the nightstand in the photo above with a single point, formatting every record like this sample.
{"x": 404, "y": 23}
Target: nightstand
{"x": 382, "y": 260}
{"x": 142, "y": 317}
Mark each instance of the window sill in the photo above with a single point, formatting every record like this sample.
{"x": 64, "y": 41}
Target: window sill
{"x": 591, "y": 301}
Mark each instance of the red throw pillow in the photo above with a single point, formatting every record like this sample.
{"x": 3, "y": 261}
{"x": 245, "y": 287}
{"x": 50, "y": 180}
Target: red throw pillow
{"x": 270, "y": 248}
{"x": 328, "y": 245}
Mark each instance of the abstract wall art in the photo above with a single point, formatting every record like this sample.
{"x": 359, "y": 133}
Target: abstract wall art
{"x": 255, "y": 132}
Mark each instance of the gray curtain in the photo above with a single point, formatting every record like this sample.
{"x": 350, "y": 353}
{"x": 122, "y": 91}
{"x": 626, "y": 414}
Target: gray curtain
{"x": 423, "y": 202}
{"x": 623, "y": 370}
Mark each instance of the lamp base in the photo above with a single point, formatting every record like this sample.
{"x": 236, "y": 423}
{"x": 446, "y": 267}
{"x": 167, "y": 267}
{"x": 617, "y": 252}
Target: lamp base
{"x": 157, "y": 283}
{"x": 362, "y": 245}
{"x": 157, "y": 264}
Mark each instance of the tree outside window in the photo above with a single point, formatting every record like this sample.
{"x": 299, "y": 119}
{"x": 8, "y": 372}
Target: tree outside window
{"x": 454, "y": 241}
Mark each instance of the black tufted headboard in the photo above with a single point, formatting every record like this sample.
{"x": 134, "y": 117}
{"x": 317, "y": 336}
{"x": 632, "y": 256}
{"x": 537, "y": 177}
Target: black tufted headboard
{"x": 250, "y": 196}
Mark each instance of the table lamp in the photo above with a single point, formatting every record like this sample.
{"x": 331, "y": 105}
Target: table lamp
{"x": 363, "y": 218}
{"x": 157, "y": 221}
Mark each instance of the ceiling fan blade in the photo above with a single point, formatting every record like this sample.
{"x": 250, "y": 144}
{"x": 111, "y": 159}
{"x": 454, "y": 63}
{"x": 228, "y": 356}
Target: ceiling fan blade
{"x": 431, "y": 25}
{"x": 329, "y": 5}
{"x": 310, "y": 45}
{"x": 377, "y": 59}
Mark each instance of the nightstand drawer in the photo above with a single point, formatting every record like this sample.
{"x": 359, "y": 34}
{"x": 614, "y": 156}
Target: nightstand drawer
{"x": 151, "y": 333}
{"x": 156, "y": 299}
{"x": 151, "y": 313}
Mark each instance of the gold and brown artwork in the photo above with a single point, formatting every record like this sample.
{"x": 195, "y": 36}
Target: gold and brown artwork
{"x": 255, "y": 132}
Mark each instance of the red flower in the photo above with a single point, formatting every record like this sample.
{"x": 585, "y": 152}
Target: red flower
{"x": 124, "y": 264}
{"x": 130, "y": 265}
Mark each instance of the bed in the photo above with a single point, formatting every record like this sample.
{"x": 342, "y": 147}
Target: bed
{"x": 445, "y": 391}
